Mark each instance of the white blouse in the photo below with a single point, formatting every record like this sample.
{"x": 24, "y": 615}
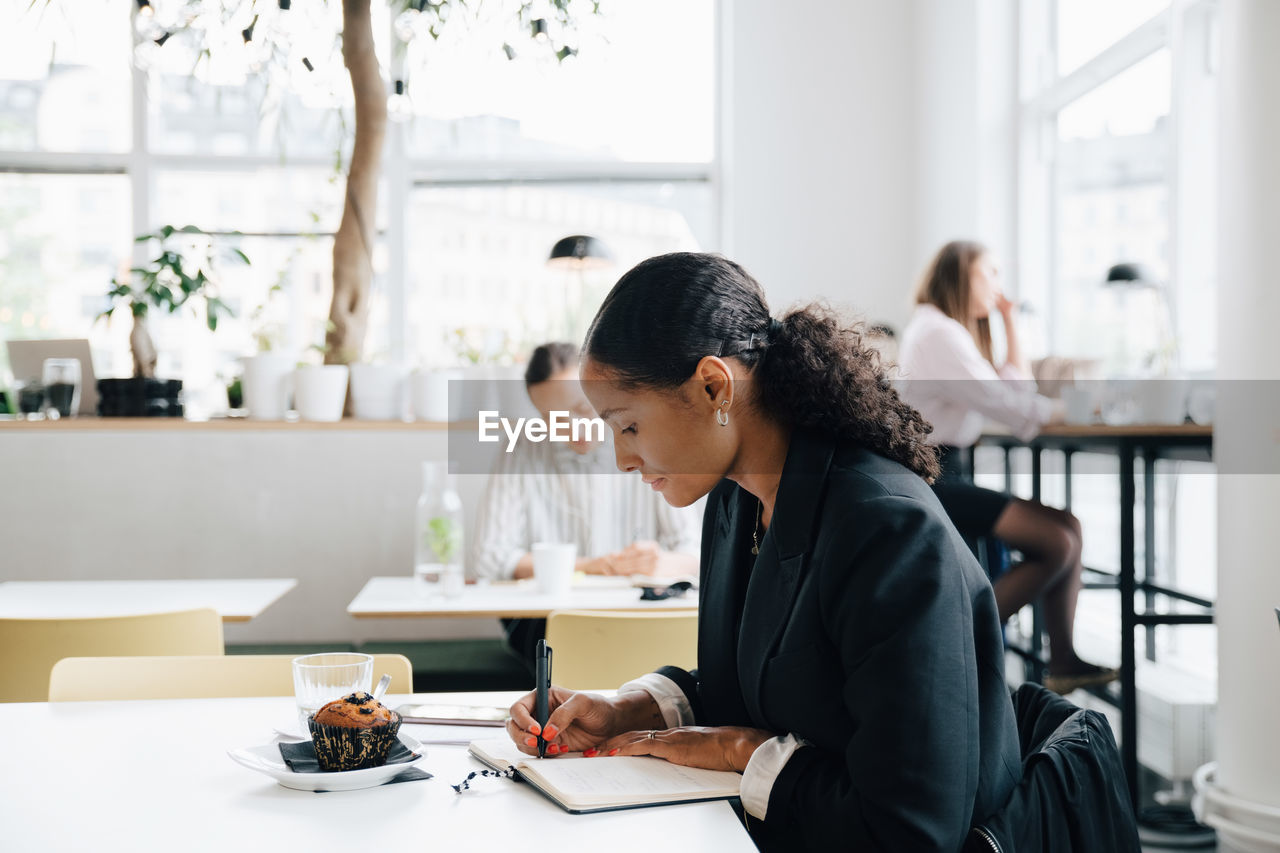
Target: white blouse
{"x": 944, "y": 376}
{"x": 544, "y": 492}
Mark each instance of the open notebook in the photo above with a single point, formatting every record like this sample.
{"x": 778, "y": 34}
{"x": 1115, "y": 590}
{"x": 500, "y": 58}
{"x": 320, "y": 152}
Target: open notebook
{"x": 582, "y": 785}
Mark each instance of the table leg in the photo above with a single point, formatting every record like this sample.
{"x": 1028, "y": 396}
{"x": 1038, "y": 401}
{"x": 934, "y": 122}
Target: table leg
{"x": 1149, "y": 543}
{"x": 1128, "y": 622}
{"x": 1067, "y": 455}
{"x": 1037, "y": 610}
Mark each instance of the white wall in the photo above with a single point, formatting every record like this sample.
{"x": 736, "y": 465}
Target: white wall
{"x": 966, "y": 98}
{"x": 819, "y": 140}
{"x": 330, "y": 507}
{"x": 860, "y": 135}
{"x": 1247, "y": 430}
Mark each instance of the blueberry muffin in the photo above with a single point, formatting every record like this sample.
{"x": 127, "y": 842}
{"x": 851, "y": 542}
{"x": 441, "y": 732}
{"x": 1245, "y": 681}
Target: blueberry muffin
{"x": 353, "y": 732}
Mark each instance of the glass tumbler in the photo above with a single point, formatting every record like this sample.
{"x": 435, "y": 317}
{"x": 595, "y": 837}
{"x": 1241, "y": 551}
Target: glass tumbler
{"x": 62, "y": 385}
{"x": 319, "y": 679}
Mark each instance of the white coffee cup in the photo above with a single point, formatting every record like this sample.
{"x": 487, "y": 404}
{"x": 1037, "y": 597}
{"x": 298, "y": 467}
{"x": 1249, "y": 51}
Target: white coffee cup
{"x": 1078, "y": 403}
{"x": 553, "y": 565}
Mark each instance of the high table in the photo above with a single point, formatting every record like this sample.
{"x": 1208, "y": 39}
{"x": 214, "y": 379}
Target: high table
{"x": 400, "y": 596}
{"x": 1127, "y": 443}
{"x": 236, "y": 600}
{"x": 155, "y": 775}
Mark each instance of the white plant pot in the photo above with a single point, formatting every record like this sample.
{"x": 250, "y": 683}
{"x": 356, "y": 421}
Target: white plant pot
{"x": 429, "y": 394}
{"x": 266, "y": 384}
{"x": 377, "y": 392}
{"x": 320, "y": 392}
{"x": 491, "y": 387}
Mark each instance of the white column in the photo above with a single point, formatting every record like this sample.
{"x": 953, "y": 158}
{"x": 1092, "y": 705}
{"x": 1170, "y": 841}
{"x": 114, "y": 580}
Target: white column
{"x": 1243, "y": 800}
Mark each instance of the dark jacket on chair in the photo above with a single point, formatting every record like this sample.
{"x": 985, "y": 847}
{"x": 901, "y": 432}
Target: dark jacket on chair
{"x": 866, "y": 628}
{"x": 1072, "y": 797}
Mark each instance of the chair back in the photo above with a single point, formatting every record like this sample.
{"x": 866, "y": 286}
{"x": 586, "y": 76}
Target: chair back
{"x": 194, "y": 677}
{"x": 32, "y": 646}
{"x": 601, "y": 649}
{"x": 1072, "y": 797}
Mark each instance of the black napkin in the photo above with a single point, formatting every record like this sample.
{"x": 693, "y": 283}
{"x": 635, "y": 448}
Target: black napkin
{"x": 301, "y": 758}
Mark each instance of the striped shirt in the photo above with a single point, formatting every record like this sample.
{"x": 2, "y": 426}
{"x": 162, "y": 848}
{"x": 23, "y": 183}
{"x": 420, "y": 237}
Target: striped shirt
{"x": 544, "y": 492}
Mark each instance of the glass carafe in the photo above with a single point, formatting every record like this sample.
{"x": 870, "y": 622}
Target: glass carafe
{"x": 438, "y": 535}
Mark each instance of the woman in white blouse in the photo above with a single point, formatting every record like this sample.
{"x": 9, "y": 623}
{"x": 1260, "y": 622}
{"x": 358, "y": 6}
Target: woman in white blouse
{"x": 572, "y": 492}
{"x": 948, "y": 373}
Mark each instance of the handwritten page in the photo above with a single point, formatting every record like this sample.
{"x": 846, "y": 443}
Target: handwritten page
{"x": 610, "y": 781}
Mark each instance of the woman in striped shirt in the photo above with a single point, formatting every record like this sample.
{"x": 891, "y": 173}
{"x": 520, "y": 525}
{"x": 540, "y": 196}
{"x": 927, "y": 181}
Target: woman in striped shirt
{"x": 572, "y": 492}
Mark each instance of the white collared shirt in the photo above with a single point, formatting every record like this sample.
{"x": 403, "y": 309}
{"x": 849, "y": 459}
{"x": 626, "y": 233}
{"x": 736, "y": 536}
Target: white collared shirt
{"x": 945, "y": 377}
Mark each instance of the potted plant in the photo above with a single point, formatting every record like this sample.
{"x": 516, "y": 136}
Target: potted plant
{"x": 320, "y": 390}
{"x": 377, "y": 390}
{"x": 183, "y": 274}
{"x": 268, "y": 374}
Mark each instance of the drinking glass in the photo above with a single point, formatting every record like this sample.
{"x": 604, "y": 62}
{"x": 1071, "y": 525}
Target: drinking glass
{"x": 319, "y": 679}
{"x": 62, "y": 385}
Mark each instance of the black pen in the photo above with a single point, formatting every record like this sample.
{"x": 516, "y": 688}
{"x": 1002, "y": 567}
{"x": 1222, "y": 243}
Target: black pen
{"x": 542, "y": 692}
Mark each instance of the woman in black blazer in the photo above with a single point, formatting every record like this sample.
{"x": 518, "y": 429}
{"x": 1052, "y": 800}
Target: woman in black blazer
{"x": 852, "y": 668}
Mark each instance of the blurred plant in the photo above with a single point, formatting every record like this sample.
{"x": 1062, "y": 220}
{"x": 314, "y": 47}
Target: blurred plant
{"x": 185, "y": 269}
{"x": 444, "y": 536}
{"x": 475, "y": 345}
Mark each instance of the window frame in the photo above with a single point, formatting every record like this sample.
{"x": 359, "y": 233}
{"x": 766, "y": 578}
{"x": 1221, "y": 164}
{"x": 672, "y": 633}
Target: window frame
{"x": 1188, "y": 28}
{"x": 399, "y": 175}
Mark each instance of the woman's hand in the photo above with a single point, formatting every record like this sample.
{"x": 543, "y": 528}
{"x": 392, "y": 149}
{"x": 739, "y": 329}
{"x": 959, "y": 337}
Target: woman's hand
{"x": 1004, "y": 305}
{"x": 715, "y": 748}
{"x": 579, "y": 721}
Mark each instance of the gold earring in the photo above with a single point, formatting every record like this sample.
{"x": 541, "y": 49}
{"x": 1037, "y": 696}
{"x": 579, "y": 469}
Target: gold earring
{"x": 722, "y": 417}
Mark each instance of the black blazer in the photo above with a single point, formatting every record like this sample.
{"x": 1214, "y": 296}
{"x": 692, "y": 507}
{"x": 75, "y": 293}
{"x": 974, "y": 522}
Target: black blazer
{"x": 866, "y": 628}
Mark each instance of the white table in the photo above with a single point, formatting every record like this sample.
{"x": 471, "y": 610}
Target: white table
{"x": 399, "y": 596}
{"x": 155, "y": 775}
{"x": 236, "y": 600}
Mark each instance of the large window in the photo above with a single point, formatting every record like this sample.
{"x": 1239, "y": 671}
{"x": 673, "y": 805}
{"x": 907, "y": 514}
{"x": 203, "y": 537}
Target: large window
{"x": 490, "y": 160}
{"x": 1119, "y": 168}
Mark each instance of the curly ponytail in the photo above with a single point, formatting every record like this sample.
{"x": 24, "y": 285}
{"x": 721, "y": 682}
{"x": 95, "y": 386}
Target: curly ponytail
{"x": 817, "y": 373}
{"x": 811, "y": 367}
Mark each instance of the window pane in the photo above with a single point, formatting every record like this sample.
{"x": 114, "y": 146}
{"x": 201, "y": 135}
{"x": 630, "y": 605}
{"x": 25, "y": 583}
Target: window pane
{"x": 640, "y": 89}
{"x": 65, "y": 76}
{"x": 478, "y": 258}
{"x": 62, "y": 239}
{"x": 1112, "y": 205}
{"x": 257, "y": 97}
{"x": 263, "y": 200}
{"x": 1088, "y": 27}
{"x": 287, "y": 217}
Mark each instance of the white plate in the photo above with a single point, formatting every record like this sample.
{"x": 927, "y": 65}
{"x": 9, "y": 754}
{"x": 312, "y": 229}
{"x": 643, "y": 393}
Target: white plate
{"x": 266, "y": 759}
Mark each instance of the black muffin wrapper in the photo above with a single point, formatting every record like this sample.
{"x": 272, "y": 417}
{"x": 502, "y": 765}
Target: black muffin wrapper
{"x": 350, "y": 748}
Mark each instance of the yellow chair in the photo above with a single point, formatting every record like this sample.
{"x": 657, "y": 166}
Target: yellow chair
{"x": 194, "y": 677}
{"x": 32, "y": 646}
{"x": 602, "y": 649}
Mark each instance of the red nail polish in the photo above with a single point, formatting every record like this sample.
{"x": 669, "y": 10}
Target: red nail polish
{"x": 553, "y": 749}
{"x": 613, "y": 751}
{"x": 531, "y": 741}
{"x": 551, "y": 732}
{"x": 536, "y": 729}
{"x": 591, "y": 753}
